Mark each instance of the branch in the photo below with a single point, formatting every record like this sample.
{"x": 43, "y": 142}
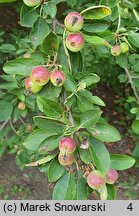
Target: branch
{"x": 70, "y": 114}
{"x": 13, "y": 127}
{"x": 3, "y": 125}
{"x": 132, "y": 85}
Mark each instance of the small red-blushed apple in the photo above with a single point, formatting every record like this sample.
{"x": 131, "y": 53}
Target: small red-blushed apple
{"x": 65, "y": 160}
{"x": 111, "y": 176}
{"x": 75, "y": 42}
{"x": 67, "y": 145}
{"x": 27, "y": 55}
{"x": 74, "y": 22}
{"x": 32, "y": 87}
{"x": 96, "y": 179}
{"x": 32, "y": 3}
{"x": 40, "y": 75}
{"x": 29, "y": 127}
{"x": 116, "y": 50}
{"x": 57, "y": 78}
{"x": 124, "y": 47}
{"x": 21, "y": 106}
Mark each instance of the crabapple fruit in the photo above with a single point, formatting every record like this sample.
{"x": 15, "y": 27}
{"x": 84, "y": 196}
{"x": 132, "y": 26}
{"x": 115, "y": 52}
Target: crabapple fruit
{"x": 40, "y": 75}
{"x": 57, "y": 78}
{"x": 75, "y": 42}
{"x": 74, "y": 22}
{"x": 67, "y": 145}
{"x": 65, "y": 160}
{"x": 111, "y": 176}
{"x": 116, "y": 50}
{"x": 96, "y": 179}
{"x": 32, "y": 87}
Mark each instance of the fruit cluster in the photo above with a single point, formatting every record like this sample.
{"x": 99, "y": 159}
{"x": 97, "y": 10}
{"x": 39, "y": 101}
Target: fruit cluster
{"x": 67, "y": 147}
{"x": 96, "y": 179}
{"x": 119, "y": 49}
{"x": 40, "y": 77}
{"x": 74, "y": 23}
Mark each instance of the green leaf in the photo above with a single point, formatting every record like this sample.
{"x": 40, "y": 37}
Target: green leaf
{"x": 134, "y": 39}
{"x": 111, "y": 192}
{"x": 85, "y": 155}
{"x": 52, "y": 142}
{"x": 90, "y": 118}
{"x": 8, "y": 85}
{"x": 121, "y": 162}
{"x": 65, "y": 188}
{"x": 135, "y": 126}
{"x": 52, "y": 92}
{"x": 83, "y": 103}
{"x": 106, "y": 133}
{"x": 100, "y": 155}
{"x": 7, "y": 48}
{"x": 41, "y": 161}
{"x": 96, "y": 12}
{"x": 90, "y": 79}
{"x": 50, "y": 44}
{"x": 81, "y": 191}
{"x": 50, "y": 108}
{"x": 20, "y": 66}
{"x": 39, "y": 31}
{"x": 49, "y": 125}
{"x": 96, "y": 40}
{"x": 122, "y": 61}
{"x": 70, "y": 84}
{"x": 28, "y": 16}
{"x": 6, "y": 110}
{"x": 50, "y": 8}
{"x": 34, "y": 140}
{"x": 56, "y": 170}
{"x": 93, "y": 99}
{"x": 96, "y": 100}
{"x": 96, "y": 27}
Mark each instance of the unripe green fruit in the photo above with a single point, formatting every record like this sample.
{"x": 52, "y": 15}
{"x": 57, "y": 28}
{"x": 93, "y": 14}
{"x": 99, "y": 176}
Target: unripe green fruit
{"x": 21, "y": 106}
{"x": 40, "y": 75}
{"x": 124, "y": 47}
{"x": 111, "y": 176}
{"x": 67, "y": 145}
{"x": 95, "y": 179}
{"x": 57, "y": 78}
{"x": 65, "y": 160}
{"x": 75, "y": 42}
{"x": 32, "y": 87}
{"x": 32, "y": 3}
{"x": 74, "y": 22}
{"x": 116, "y": 50}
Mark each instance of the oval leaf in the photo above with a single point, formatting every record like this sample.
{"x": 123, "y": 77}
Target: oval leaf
{"x": 6, "y": 109}
{"x": 41, "y": 161}
{"x": 56, "y": 170}
{"x": 49, "y": 125}
{"x": 106, "y": 133}
{"x": 65, "y": 188}
{"x": 50, "y": 44}
{"x": 100, "y": 155}
{"x": 96, "y": 40}
{"x": 96, "y": 12}
{"x": 121, "y": 162}
{"x": 90, "y": 118}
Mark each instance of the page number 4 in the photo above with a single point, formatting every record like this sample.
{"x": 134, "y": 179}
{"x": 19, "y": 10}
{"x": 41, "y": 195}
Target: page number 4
{"x": 130, "y": 207}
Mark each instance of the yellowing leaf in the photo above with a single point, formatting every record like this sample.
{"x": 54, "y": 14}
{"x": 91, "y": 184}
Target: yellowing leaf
{"x": 96, "y": 12}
